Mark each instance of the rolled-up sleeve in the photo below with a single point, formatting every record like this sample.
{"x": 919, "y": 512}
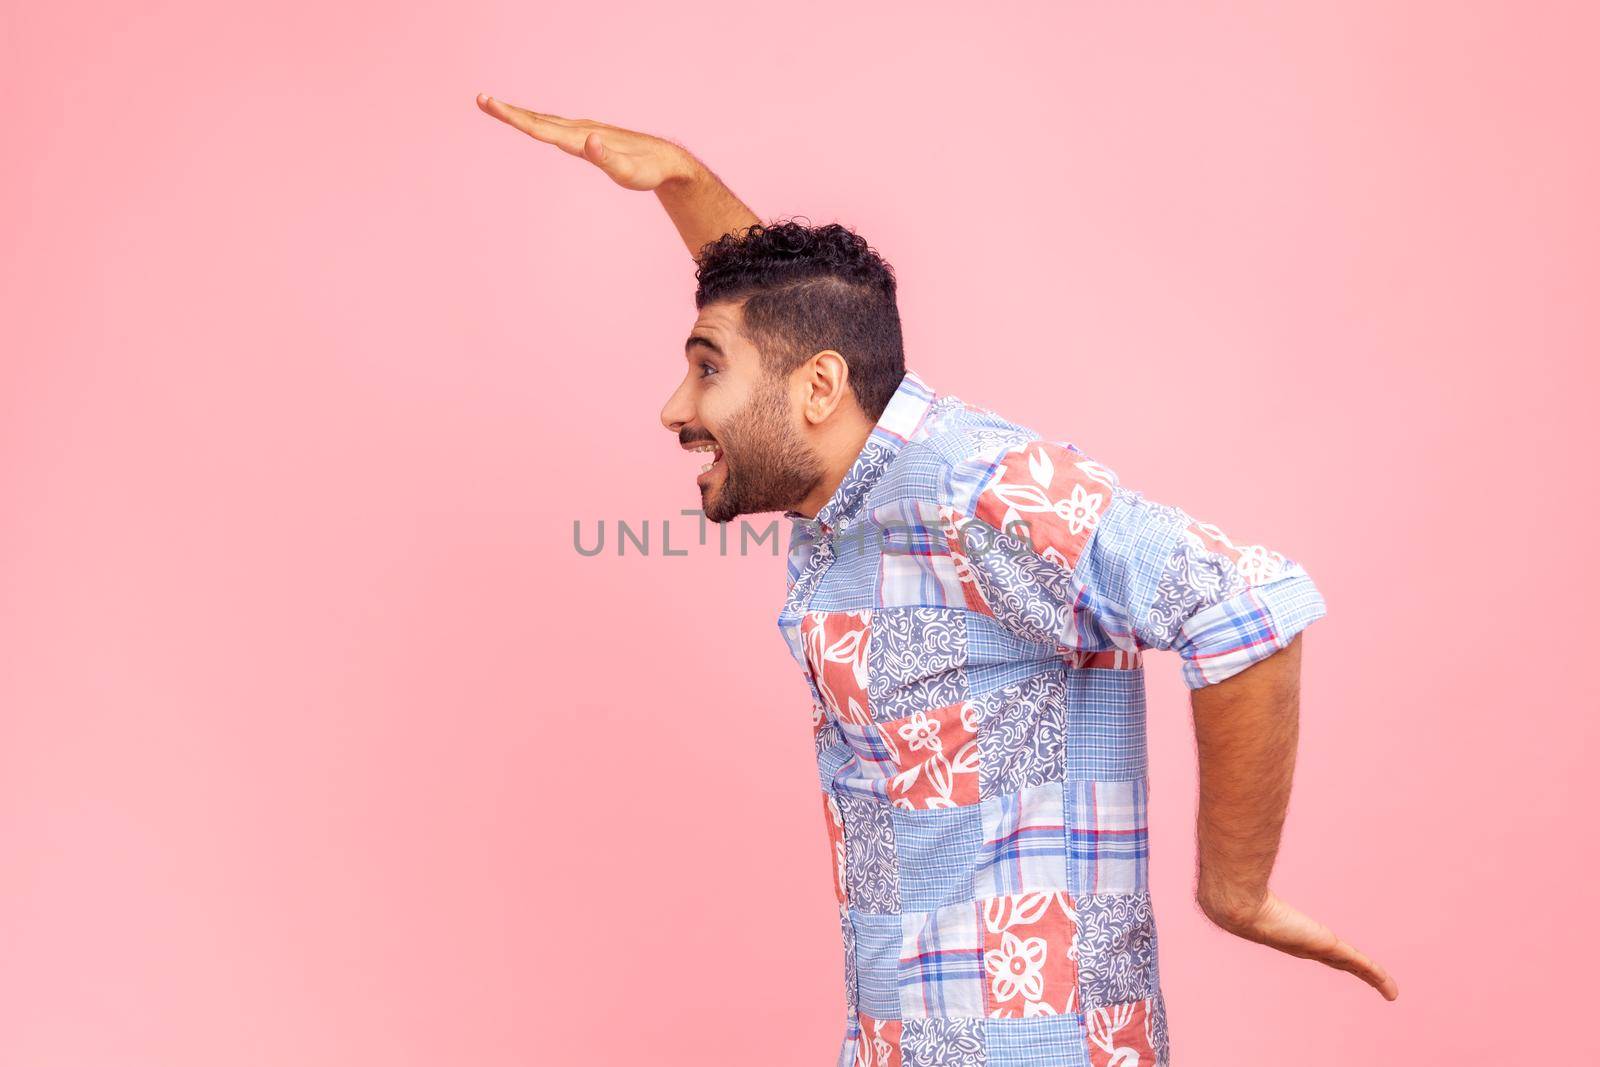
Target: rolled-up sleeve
{"x": 1112, "y": 569}
{"x": 1220, "y": 605}
{"x": 1223, "y": 639}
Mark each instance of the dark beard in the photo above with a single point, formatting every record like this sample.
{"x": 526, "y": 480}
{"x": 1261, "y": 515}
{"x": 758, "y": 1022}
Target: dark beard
{"x": 769, "y": 466}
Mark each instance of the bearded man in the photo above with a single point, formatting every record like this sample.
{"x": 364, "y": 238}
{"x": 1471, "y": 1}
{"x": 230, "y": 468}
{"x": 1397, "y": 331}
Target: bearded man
{"x": 969, "y": 602}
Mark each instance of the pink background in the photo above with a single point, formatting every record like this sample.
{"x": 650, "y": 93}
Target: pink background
{"x": 319, "y": 743}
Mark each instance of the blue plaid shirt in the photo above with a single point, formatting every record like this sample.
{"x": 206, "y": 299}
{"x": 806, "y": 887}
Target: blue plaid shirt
{"x": 970, "y": 610}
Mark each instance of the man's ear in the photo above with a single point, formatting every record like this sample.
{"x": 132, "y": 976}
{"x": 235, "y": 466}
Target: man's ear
{"x": 824, "y": 381}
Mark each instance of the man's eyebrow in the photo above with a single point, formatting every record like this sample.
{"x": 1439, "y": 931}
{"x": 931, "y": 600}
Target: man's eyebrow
{"x": 696, "y": 339}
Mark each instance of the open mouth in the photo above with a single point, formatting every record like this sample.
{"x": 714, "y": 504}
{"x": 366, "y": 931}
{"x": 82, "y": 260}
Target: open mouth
{"x": 713, "y": 453}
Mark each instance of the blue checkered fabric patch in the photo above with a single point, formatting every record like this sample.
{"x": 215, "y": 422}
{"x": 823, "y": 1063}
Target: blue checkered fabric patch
{"x": 1105, "y": 724}
{"x": 851, "y": 582}
{"x": 1224, "y": 639}
{"x": 990, "y": 644}
{"x": 919, "y": 473}
{"x": 868, "y": 743}
{"x": 877, "y": 939}
{"x": 939, "y": 849}
{"x": 941, "y": 963}
{"x": 1110, "y": 837}
{"x": 915, "y": 567}
{"x": 1045, "y": 1041}
{"x": 847, "y": 1048}
{"x": 832, "y": 763}
{"x": 1024, "y": 842}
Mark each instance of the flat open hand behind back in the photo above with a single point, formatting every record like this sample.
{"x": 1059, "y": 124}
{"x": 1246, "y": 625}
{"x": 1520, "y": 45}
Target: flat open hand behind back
{"x": 1279, "y": 925}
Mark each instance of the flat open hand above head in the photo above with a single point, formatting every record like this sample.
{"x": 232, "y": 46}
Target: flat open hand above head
{"x": 633, "y": 160}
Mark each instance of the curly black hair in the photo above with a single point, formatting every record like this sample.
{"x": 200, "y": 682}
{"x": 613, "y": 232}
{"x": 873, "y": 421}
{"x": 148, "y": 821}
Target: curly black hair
{"x": 806, "y": 289}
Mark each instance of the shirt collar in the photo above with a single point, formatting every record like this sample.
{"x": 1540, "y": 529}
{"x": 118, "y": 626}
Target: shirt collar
{"x": 902, "y": 418}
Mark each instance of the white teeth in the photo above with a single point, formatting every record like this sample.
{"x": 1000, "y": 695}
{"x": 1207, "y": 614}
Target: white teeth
{"x": 708, "y": 450}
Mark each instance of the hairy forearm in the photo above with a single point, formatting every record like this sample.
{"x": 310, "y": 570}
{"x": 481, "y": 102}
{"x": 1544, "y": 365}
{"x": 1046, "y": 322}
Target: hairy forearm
{"x": 701, "y": 206}
{"x": 1246, "y": 729}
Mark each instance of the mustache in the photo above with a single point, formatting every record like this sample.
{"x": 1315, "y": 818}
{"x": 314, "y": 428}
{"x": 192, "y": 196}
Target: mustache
{"x": 686, "y": 439}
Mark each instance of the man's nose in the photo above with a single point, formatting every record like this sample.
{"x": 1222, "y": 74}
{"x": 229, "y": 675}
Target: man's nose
{"x": 677, "y": 411}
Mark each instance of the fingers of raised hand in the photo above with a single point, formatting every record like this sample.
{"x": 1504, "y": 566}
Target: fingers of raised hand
{"x": 566, "y": 134}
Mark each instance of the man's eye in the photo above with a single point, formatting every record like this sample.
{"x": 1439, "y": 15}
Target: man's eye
{"x": 707, "y": 370}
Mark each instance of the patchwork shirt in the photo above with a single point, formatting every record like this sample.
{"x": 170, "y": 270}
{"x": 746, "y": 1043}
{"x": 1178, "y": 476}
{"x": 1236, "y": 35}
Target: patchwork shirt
{"x": 970, "y": 611}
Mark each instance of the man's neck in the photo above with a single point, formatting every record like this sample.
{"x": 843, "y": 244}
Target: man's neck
{"x": 843, "y": 451}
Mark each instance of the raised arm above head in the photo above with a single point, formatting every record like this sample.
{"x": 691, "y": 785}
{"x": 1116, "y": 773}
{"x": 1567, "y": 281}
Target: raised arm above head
{"x": 699, "y": 204}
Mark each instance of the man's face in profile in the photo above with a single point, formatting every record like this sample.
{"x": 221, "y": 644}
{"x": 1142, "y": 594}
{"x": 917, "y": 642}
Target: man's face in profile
{"x": 729, "y": 404}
